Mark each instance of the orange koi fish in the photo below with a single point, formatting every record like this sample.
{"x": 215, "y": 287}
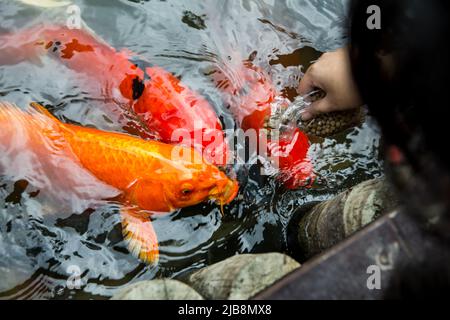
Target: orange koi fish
{"x": 250, "y": 99}
{"x": 166, "y": 105}
{"x": 152, "y": 177}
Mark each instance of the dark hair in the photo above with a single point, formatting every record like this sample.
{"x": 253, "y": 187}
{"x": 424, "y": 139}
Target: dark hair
{"x": 412, "y": 46}
{"x": 402, "y": 73}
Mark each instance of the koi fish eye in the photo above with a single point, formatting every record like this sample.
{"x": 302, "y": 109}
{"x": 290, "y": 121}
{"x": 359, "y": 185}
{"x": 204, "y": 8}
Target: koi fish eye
{"x": 186, "y": 189}
{"x": 186, "y": 192}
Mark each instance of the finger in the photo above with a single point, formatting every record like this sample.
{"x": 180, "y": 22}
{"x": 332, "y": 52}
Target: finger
{"x": 306, "y": 84}
{"x": 307, "y": 115}
{"x": 323, "y": 106}
{"x": 316, "y": 108}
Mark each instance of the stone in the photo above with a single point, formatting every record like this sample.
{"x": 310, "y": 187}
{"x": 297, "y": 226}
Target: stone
{"x": 332, "y": 221}
{"x": 161, "y": 289}
{"x": 241, "y": 277}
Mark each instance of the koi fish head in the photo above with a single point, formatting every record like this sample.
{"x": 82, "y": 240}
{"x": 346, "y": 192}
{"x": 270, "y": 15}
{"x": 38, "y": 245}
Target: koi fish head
{"x": 225, "y": 190}
{"x": 180, "y": 178}
{"x": 297, "y": 176}
{"x": 249, "y": 93}
{"x": 296, "y": 170}
{"x": 256, "y": 104}
{"x": 210, "y": 185}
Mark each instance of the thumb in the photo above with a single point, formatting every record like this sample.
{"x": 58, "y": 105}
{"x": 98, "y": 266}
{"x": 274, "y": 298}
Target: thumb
{"x": 316, "y": 108}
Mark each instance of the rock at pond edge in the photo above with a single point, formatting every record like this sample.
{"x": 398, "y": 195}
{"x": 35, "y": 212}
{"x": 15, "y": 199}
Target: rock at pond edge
{"x": 241, "y": 277}
{"x": 160, "y": 289}
{"x": 332, "y": 221}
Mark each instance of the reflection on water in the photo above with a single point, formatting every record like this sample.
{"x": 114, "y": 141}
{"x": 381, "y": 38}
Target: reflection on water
{"x": 40, "y": 243}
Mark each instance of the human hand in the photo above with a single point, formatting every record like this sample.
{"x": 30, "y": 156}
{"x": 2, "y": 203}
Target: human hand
{"x": 332, "y": 74}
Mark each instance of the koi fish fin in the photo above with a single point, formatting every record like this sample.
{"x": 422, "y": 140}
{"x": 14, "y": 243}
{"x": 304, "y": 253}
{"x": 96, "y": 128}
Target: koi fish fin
{"x": 139, "y": 235}
{"x": 42, "y": 110}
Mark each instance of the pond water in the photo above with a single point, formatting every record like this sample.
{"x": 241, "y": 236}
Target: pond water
{"x": 41, "y": 245}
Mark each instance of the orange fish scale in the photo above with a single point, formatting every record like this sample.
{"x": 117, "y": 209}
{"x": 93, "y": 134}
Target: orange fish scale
{"x": 114, "y": 158}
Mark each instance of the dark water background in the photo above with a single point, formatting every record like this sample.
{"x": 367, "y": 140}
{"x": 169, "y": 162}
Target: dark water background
{"x": 39, "y": 244}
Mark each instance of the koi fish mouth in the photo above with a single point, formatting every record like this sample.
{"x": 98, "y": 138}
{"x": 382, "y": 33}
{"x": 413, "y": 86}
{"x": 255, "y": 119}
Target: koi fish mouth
{"x": 225, "y": 194}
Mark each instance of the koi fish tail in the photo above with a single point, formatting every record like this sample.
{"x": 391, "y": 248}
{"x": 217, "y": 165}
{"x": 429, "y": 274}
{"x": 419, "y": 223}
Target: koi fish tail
{"x": 33, "y": 147}
{"x": 138, "y": 233}
{"x": 80, "y": 50}
{"x": 31, "y": 126}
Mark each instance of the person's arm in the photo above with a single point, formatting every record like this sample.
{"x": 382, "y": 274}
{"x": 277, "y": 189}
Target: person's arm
{"x": 331, "y": 73}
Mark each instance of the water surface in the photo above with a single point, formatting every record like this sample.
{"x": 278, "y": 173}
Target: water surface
{"x": 40, "y": 243}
